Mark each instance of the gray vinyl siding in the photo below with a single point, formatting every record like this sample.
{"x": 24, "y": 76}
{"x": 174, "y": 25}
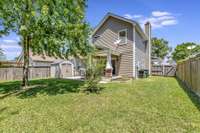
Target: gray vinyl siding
{"x": 108, "y": 33}
{"x": 141, "y": 55}
{"x": 126, "y": 64}
{"x": 41, "y": 63}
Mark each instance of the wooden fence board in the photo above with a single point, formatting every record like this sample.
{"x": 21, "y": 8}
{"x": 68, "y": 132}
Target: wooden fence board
{"x": 16, "y": 73}
{"x": 163, "y": 70}
{"x": 189, "y": 73}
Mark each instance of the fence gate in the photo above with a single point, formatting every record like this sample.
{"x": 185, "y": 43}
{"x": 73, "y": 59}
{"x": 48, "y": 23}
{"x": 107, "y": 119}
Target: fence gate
{"x": 163, "y": 70}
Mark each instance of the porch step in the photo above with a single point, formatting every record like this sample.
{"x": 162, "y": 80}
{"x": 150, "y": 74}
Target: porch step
{"x": 116, "y": 77}
{"x": 105, "y": 80}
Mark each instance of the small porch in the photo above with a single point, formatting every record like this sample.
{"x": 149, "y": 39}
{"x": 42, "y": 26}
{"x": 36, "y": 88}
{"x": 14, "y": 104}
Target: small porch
{"x": 112, "y": 62}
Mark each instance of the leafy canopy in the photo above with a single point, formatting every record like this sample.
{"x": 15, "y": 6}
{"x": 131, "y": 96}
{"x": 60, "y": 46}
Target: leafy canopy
{"x": 160, "y": 48}
{"x": 182, "y": 52}
{"x": 54, "y": 26}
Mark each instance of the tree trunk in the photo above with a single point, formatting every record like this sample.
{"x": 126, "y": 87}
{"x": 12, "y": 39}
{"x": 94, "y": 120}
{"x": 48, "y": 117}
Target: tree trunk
{"x": 26, "y": 43}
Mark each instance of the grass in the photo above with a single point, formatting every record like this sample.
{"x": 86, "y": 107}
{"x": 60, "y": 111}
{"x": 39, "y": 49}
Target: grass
{"x": 157, "y": 104}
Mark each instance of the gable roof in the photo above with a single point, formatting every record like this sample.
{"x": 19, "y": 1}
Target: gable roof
{"x": 46, "y": 58}
{"x": 138, "y": 28}
{"x": 38, "y": 57}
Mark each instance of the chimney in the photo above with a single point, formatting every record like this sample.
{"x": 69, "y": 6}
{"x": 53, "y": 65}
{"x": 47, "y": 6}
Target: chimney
{"x": 148, "y": 29}
{"x": 148, "y": 33}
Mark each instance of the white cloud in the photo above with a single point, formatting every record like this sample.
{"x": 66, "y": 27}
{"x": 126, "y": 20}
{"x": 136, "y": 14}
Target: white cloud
{"x": 8, "y": 46}
{"x": 137, "y": 16}
{"x": 18, "y": 39}
{"x": 169, "y": 22}
{"x": 11, "y": 50}
{"x": 158, "y": 19}
{"x": 166, "y": 18}
{"x": 160, "y": 13}
{"x": 129, "y": 16}
{"x": 9, "y": 41}
{"x": 15, "y": 53}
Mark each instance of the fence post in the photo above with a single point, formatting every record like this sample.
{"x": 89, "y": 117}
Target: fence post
{"x": 163, "y": 70}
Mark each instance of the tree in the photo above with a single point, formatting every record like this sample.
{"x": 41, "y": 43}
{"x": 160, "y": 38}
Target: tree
{"x": 160, "y": 48}
{"x": 182, "y": 52}
{"x": 56, "y": 27}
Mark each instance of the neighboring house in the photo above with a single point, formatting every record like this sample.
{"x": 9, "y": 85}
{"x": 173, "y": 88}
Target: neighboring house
{"x": 124, "y": 44}
{"x": 10, "y": 63}
{"x": 39, "y": 60}
{"x": 60, "y": 68}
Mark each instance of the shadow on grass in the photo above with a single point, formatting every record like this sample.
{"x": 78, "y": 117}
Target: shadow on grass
{"x": 43, "y": 86}
{"x": 193, "y": 97}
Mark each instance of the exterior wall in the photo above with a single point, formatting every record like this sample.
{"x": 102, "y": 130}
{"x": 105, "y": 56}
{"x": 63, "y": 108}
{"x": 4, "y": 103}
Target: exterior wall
{"x": 38, "y": 63}
{"x": 41, "y": 63}
{"x": 79, "y": 66}
{"x": 141, "y": 55}
{"x": 108, "y": 34}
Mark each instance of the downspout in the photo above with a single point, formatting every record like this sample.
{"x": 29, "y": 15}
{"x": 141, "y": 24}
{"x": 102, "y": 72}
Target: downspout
{"x": 134, "y": 42}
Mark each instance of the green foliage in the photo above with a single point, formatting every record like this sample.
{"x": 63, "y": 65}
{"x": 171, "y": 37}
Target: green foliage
{"x": 160, "y": 48}
{"x": 54, "y": 26}
{"x": 182, "y": 52}
{"x": 94, "y": 71}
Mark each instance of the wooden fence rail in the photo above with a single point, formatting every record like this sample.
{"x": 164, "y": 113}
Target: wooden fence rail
{"x": 163, "y": 70}
{"x": 189, "y": 73}
{"x": 16, "y": 73}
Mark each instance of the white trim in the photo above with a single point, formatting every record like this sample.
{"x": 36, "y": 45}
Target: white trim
{"x": 149, "y": 40}
{"x": 126, "y": 40}
{"x": 134, "y": 41}
{"x": 109, "y": 60}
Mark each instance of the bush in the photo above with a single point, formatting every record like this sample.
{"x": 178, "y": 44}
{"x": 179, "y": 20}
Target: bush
{"x": 94, "y": 71}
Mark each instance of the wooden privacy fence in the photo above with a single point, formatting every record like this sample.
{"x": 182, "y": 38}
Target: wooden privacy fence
{"x": 16, "y": 73}
{"x": 163, "y": 70}
{"x": 189, "y": 73}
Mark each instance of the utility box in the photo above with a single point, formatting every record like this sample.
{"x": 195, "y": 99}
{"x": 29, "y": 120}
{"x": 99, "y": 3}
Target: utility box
{"x": 143, "y": 73}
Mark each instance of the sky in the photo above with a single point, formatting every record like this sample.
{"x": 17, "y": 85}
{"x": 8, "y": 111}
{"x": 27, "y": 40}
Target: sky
{"x": 176, "y": 21}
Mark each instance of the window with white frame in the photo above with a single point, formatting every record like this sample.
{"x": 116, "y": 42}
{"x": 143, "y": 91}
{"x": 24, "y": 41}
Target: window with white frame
{"x": 122, "y": 36}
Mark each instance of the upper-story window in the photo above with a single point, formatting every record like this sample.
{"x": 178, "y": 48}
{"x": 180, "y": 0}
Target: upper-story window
{"x": 122, "y": 36}
{"x": 97, "y": 36}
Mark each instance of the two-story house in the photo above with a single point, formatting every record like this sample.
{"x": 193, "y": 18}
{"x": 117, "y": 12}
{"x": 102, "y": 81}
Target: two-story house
{"x": 126, "y": 47}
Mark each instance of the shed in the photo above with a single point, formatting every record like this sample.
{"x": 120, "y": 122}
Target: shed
{"x": 62, "y": 69}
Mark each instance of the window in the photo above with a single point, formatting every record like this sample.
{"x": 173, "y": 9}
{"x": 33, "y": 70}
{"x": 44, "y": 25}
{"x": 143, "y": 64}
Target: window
{"x": 122, "y": 36}
{"x": 97, "y": 36}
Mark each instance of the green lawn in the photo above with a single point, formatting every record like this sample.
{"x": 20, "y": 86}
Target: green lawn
{"x": 156, "y": 104}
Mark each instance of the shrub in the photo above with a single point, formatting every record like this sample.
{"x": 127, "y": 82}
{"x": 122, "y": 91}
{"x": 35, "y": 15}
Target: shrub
{"x": 94, "y": 71}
